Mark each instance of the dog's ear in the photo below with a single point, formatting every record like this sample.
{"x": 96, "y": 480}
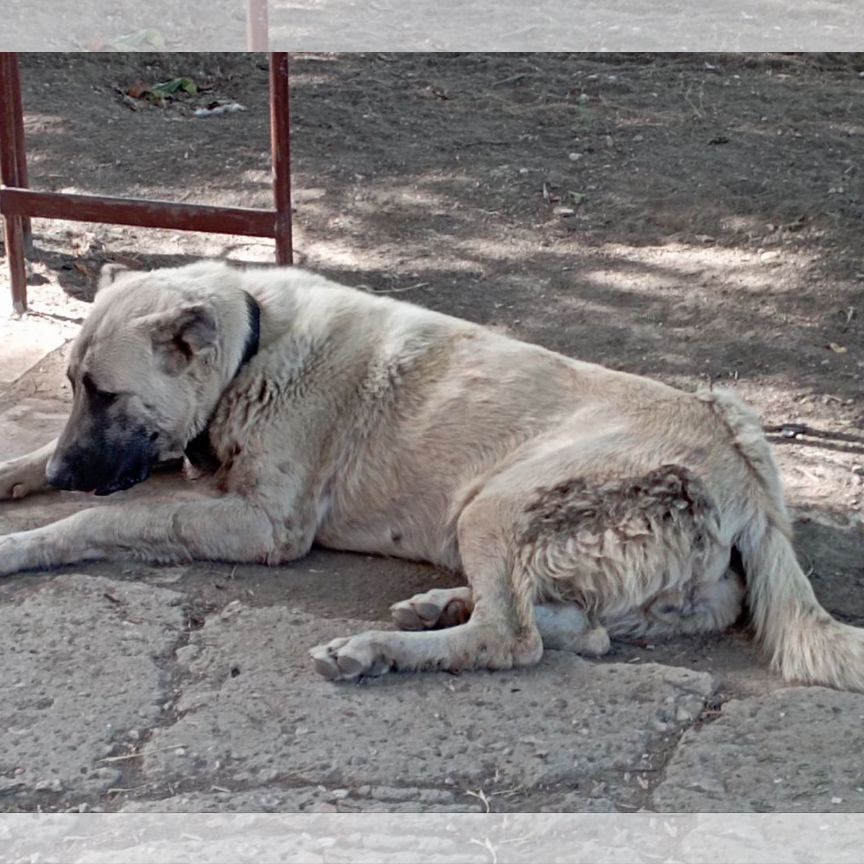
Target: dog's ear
{"x": 181, "y": 335}
{"x": 108, "y": 275}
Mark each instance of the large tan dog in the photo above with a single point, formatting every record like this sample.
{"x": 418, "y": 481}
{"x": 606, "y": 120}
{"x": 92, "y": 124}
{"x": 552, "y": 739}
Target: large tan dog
{"x": 580, "y": 503}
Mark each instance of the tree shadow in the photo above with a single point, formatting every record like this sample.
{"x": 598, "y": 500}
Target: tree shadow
{"x": 686, "y": 217}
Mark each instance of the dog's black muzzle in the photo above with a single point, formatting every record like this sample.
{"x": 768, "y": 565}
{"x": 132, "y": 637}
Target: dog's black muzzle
{"x": 103, "y": 470}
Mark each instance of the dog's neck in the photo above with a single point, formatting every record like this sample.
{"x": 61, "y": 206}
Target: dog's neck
{"x": 199, "y": 451}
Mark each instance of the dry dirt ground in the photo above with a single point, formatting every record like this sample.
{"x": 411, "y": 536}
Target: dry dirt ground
{"x": 694, "y": 218}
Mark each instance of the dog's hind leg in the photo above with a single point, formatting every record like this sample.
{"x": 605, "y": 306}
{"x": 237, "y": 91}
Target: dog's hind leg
{"x": 499, "y": 634}
{"x": 612, "y": 551}
{"x": 26, "y": 474}
{"x": 562, "y": 626}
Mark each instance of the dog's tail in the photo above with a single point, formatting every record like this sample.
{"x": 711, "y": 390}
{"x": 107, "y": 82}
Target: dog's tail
{"x": 802, "y": 640}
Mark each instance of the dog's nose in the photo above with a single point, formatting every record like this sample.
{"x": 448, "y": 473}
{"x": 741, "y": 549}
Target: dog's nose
{"x": 59, "y": 475}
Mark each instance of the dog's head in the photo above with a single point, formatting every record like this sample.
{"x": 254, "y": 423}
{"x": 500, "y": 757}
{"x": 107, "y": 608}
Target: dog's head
{"x": 144, "y": 373}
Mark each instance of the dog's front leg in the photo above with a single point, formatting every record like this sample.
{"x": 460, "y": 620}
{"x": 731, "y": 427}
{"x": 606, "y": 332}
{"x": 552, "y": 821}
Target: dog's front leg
{"x": 225, "y": 529}
{"x": 26, "y": 474}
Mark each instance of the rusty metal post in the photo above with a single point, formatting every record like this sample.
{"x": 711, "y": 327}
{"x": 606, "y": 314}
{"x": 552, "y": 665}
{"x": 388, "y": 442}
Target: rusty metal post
{"x": 21, "y": 180}
{"x": 257, "y": 26}
{"x": 280, "y": 140}
{"x": 13, "y": 172}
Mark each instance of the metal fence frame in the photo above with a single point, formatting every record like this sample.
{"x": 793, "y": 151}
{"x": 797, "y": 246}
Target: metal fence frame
{"x": 18, "y": 203}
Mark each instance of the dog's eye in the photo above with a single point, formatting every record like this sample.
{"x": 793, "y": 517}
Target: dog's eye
{"x": 103, "y": 397}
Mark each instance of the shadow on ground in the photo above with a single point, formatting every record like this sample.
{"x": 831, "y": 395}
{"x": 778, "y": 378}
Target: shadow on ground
{"x": 687, "y": 217}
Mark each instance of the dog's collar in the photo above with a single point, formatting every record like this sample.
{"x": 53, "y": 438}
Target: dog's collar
{"x": 253, "y": 337}
{"x": 199, "y": 451}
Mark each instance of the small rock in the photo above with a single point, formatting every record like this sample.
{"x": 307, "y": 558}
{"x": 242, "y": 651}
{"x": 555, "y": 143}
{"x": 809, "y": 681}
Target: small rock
{"x": 564, "y": 211}
{"x": 769, "y": 255}
{"x": 638, "y": 138}
{"x": 187, "y": 653}
{"x": 231, "y": 609}
{"x": 574, "y": 157}
{"x": 682, "y": 715}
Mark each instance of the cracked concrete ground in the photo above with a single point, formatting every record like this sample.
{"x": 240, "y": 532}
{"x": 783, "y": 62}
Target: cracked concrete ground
{"x": 139, "y": 688}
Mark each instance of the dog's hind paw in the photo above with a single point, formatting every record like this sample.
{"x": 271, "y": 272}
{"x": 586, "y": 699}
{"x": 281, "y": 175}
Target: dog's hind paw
{"x": 350, "y": 658}
{"x": 431, "y": 610}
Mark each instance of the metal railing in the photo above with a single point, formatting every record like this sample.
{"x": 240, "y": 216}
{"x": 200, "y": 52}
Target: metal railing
{"x": 18, "y": 203}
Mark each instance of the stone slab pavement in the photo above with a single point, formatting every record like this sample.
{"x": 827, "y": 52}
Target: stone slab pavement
{"x": 140, "y": 688}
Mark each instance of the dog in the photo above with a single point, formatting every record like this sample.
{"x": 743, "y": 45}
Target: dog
{"x": 581, "y": 504}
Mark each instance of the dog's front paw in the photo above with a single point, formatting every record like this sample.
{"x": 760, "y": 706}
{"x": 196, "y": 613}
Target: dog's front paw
{"x": 17, "y": 480}
{"x": 350, "y": 658}
{"x": 15, "y": 554}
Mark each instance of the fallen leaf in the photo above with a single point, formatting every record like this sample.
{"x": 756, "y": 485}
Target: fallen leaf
{"x": 175, "y": 85}
{"x": 837, "y": 349}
